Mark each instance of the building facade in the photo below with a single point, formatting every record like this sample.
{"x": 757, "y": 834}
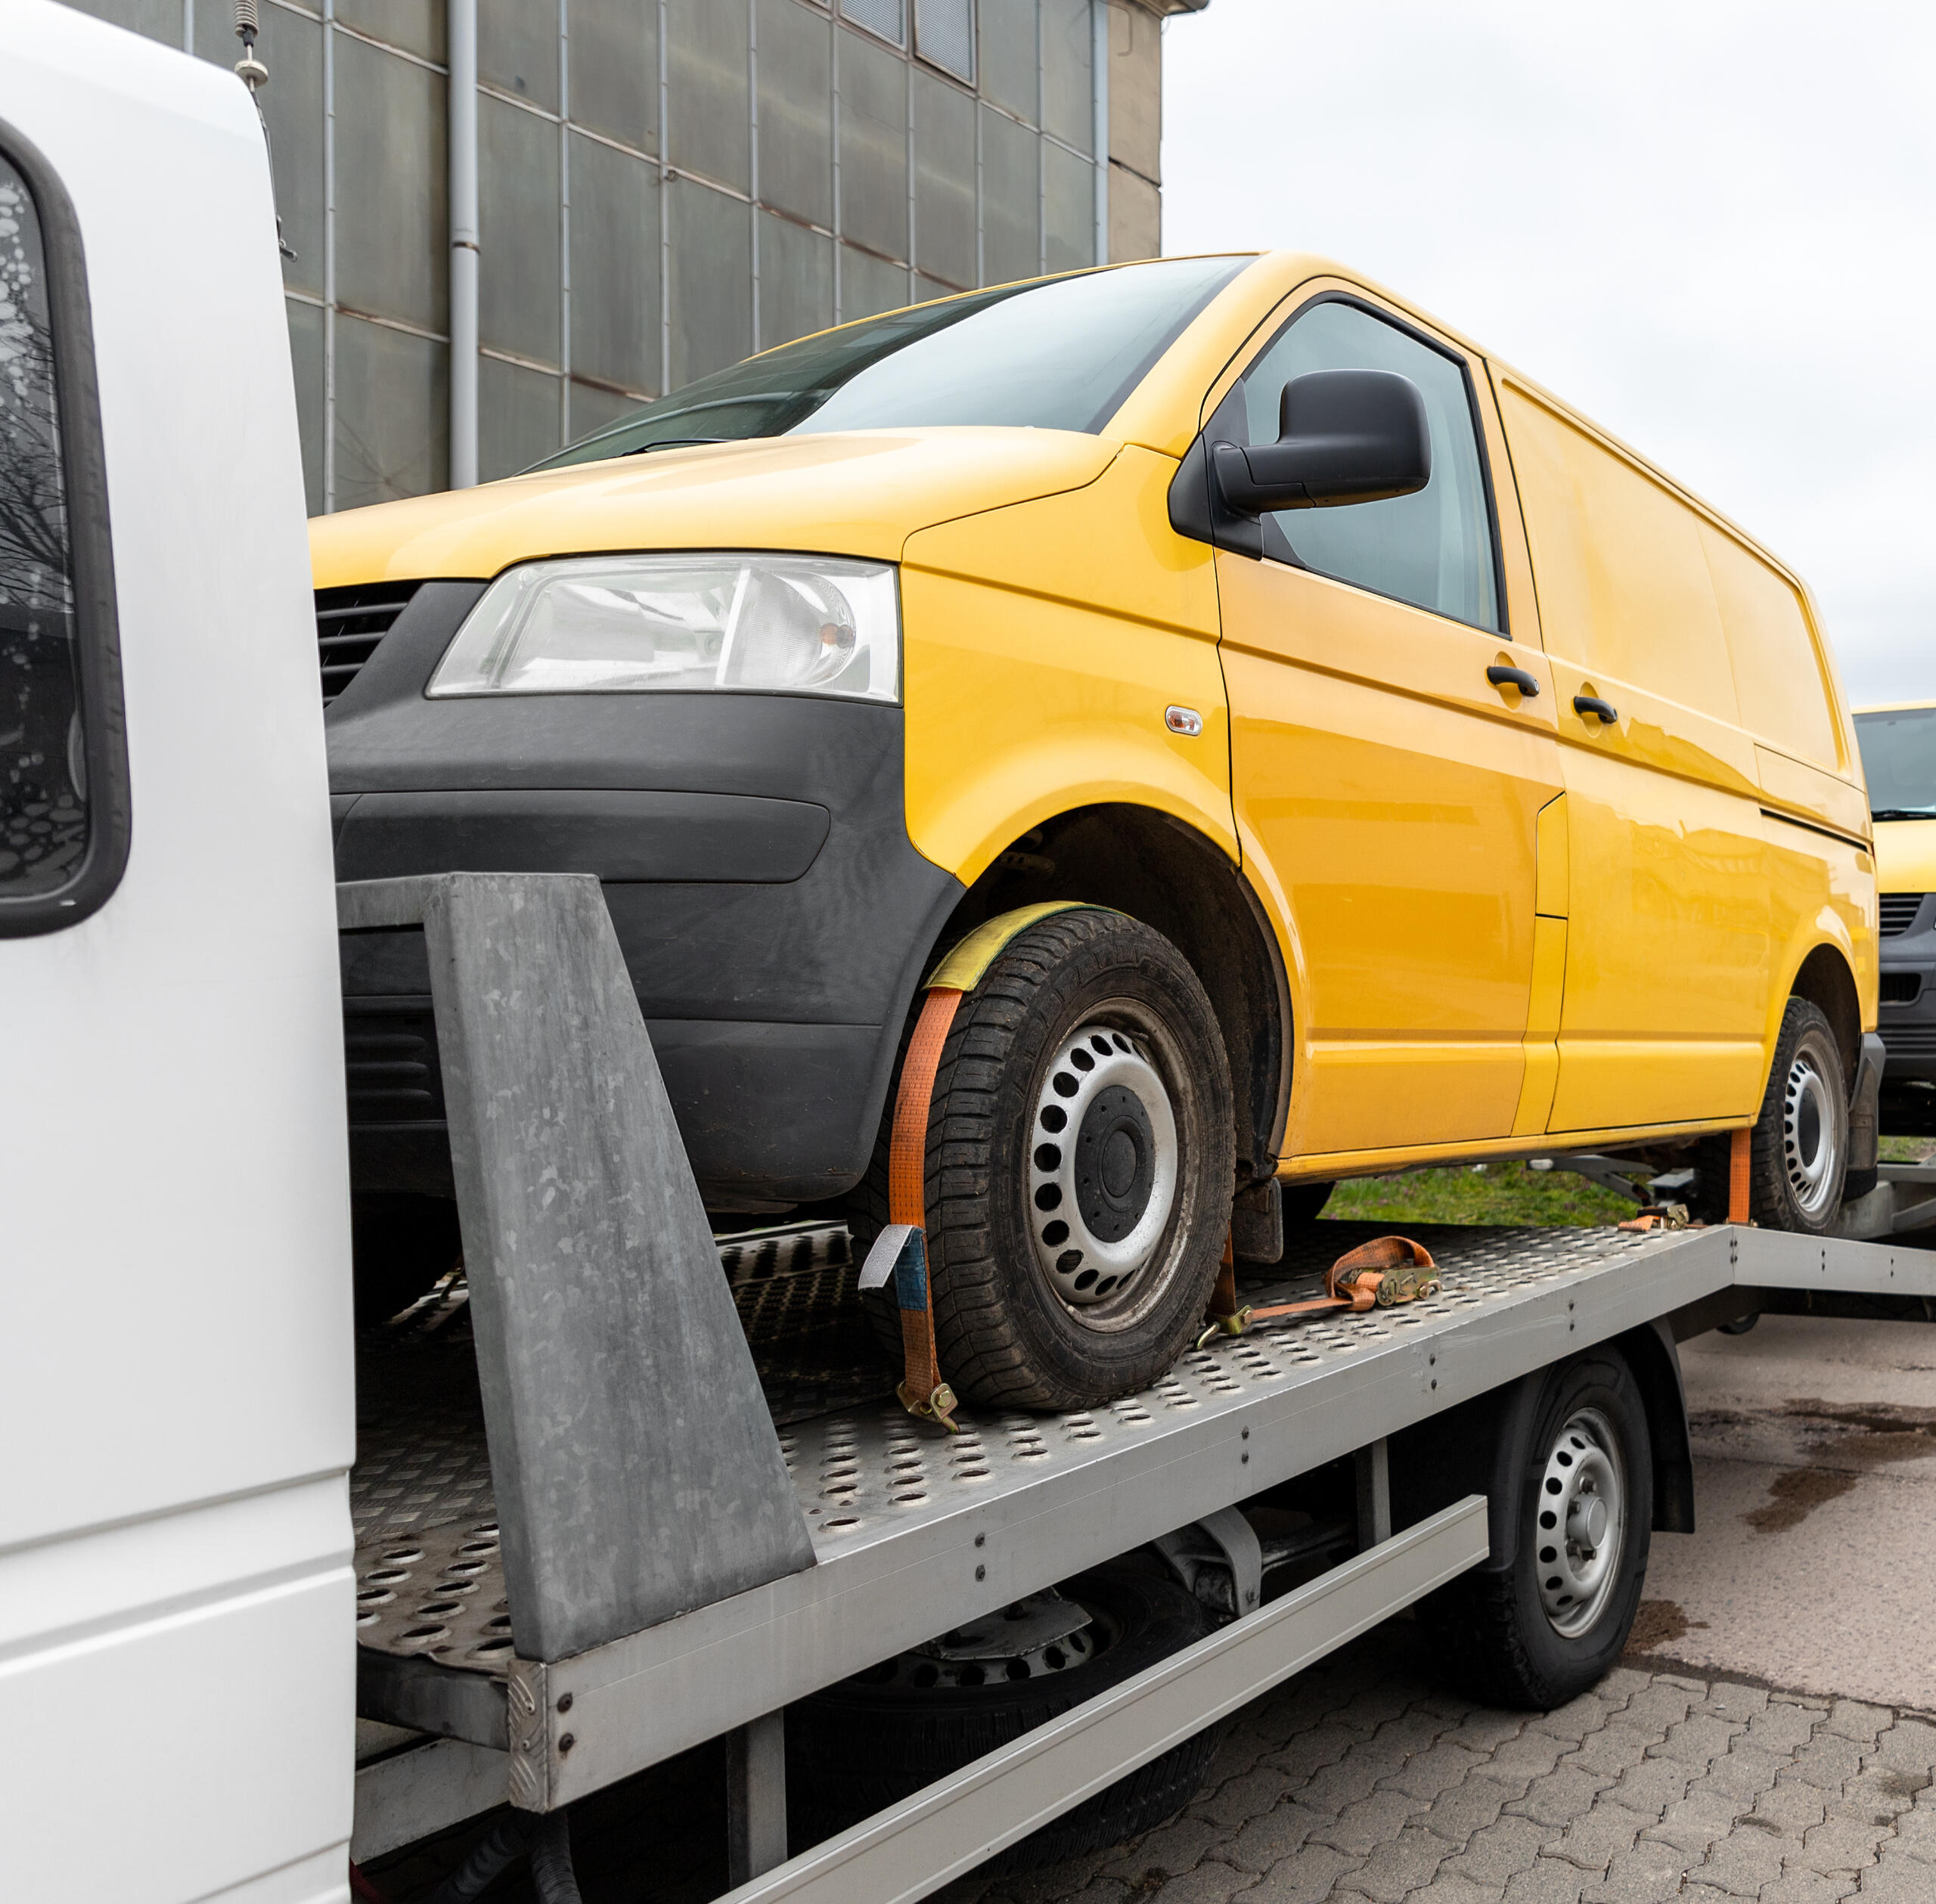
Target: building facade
{"x": 663, "y": 187}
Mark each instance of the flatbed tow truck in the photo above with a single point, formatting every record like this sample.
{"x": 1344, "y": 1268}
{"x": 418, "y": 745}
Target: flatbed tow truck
{"x": 619, "y": 1491}
{"x": 912, "y": 1532}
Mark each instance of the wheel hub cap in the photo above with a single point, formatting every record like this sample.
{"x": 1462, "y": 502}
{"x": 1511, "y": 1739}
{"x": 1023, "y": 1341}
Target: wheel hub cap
{"x": 1808, "y": 1125}
{"x": 1580, "y": 1529}
{"x": 1103, "y": 1166}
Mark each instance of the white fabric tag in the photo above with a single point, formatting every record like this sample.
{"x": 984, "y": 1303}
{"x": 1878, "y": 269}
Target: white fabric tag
{"x": 885, "y": 1253}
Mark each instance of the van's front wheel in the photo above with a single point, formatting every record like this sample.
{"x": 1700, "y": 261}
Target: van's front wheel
{"x": 1080, "y": 1156}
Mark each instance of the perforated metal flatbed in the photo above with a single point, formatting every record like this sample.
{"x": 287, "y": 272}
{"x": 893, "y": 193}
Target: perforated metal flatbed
{"x": 1016, "y": 1500}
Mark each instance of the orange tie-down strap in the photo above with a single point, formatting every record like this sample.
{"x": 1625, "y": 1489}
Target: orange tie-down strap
{"x": 1386, "y": 1271}
{"x": 901, "y": 1250}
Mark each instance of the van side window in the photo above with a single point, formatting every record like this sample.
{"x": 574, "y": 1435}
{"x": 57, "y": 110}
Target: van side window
{"x": 1433, "y": 549}
{"x": 63, "y": 833}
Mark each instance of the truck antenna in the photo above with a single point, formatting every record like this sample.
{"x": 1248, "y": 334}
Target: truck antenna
{"x": 255, "y": 75}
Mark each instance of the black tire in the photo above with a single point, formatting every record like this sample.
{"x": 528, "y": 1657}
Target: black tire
{"x": 1304, "y": 1203}
{"x": 1494, "y": 1629}
{"x": 400, "y": 1245}
{"x": 1800, "y": 1145}
{"x": 1007, "y": 1338}
{"x": 860, "y": 1746}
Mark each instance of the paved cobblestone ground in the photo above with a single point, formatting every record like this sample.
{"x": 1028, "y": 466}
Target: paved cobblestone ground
{"x": 1363, "y": 1779}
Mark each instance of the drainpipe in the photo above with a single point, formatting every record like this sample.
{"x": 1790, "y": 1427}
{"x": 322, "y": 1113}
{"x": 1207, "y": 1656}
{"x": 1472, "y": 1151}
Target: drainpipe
{"x": 1099, "y": 79}
{"x": 461, "y": 29}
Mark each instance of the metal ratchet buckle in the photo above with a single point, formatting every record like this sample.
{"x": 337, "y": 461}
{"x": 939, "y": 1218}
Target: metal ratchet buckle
{"x": 939, "y": 1406}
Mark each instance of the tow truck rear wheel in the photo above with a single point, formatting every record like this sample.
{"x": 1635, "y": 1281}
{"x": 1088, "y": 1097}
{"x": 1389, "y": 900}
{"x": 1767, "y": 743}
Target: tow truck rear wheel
{"x": 1080, "y": 1152}
{"x": 862, "y": 1745}
{"x": 1550, "y": 1625}
{"x": 1800, "y": 1142}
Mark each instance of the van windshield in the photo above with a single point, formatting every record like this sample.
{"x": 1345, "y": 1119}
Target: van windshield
{"x": 1061, "y": 354}
{"x": 1899, "y": 759}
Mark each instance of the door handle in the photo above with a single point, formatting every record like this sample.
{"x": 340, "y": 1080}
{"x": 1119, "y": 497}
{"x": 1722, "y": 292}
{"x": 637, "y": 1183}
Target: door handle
{"x": 1527, "y": 684}
{"x": 1592, "y": 704}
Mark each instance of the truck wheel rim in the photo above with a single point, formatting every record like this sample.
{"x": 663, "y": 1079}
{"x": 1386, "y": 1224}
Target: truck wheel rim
{"x": 1580, "y": 1529}
{"x": 1809, "y": 1130}
{"x": 1103, "y": 1168}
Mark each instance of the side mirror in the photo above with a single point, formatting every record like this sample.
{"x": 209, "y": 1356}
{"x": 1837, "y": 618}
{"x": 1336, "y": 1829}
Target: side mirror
{"x": 1344, "y": 436}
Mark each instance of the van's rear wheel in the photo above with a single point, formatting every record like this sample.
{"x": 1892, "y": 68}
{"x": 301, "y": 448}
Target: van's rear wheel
{"x": 1080, "y": 1159}
{"x": 1799, "y": 1147}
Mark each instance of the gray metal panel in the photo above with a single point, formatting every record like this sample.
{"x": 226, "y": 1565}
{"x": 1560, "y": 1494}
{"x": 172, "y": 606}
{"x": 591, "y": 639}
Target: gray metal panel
{"x": 517, "y": 189}
{"x": 614, "y": 269}
{"x": 392, "y": 219}
{"x": 913, "y": 1849}
{"x": 391, "y": 417}
{"x": 635, "y": 1467}
{"x": 426, "y": 1786}
{"x": 1770, "y": 1259}
{"x": 428, "y": 1699}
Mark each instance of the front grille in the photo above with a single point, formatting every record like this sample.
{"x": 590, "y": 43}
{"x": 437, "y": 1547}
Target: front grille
{"x": 350, "y": 622}
{"x": 1901, "y": 988}
{"x": 390, "y": 1052}
{"x": 1909, "y": 1041}
{"x": 1898, "y": 911}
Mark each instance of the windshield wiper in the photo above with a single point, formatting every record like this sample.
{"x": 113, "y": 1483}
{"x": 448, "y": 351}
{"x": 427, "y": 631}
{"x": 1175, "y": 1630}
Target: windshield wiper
{"x": 1902, "y": 813}
{"x": 677, "y": 443}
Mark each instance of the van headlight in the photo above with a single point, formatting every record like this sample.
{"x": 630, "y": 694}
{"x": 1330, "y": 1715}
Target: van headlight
{"x": 646, "y": 624}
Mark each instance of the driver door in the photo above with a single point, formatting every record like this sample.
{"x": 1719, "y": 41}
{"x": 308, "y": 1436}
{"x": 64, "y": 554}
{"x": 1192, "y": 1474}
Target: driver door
{"x": 1386, "y": 788}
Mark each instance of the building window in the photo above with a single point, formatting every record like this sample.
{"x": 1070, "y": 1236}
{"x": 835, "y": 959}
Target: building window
{"x": 889, "y": 18}
{"x": 944, "y": 35}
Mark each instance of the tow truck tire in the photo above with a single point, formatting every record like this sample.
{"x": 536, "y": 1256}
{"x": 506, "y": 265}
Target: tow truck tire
{"x": 1081, "y": 1149}
{"x": 868, "y": 1742}
{"x": 1800, "y": 1144}
{"x": 1552, "y": 1625}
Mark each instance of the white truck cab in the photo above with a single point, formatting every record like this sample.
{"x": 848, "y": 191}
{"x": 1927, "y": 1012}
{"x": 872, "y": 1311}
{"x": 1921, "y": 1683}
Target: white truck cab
{"x": 175, "y": 1346}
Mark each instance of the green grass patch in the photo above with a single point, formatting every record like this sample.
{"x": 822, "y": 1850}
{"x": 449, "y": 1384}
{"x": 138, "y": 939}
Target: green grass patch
{"x": 1495, "y": 1193}
{"x": 1902, "y": 1150}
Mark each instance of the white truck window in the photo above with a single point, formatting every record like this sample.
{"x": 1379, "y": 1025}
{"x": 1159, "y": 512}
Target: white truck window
{"x": 62, "y": 806}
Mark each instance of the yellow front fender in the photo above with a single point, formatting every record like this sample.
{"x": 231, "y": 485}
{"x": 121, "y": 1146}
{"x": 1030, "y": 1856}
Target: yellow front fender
{"x": 1045, "y": 644}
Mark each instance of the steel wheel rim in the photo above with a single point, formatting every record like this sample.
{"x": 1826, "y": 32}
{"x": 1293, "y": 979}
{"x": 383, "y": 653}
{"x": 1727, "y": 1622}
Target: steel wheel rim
{"x": 1809, "y": 1130}
{"x": 1580, "y": 1529}
{"x": 1096, "y": 1080}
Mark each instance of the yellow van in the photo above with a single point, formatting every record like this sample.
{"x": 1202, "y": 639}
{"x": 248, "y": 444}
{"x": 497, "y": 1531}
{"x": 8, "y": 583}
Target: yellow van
{"x": 1899, "y": 753}
{"x": 1356, "y": 758}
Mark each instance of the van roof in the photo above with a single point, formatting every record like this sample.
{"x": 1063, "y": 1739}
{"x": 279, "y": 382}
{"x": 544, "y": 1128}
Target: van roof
{"x": 1892, "y": 707}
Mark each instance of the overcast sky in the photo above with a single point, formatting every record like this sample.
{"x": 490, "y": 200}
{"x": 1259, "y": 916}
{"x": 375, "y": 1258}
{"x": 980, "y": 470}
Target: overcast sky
{"x": 1708, "y": 226}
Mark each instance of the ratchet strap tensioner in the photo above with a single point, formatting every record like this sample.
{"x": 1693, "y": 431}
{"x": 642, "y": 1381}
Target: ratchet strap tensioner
{"x": 1377, "y": 1275}
{"x": 901, "y": 1250}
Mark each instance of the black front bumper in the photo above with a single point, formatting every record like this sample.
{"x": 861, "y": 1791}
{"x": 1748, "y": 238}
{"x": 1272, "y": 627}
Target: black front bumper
{"x": 1907, "y": 1021}
{"x": 773, "y": 914}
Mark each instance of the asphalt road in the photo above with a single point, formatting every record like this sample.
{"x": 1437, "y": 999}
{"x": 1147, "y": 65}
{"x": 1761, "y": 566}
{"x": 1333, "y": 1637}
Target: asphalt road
{"x": 1813, "y": 1567}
